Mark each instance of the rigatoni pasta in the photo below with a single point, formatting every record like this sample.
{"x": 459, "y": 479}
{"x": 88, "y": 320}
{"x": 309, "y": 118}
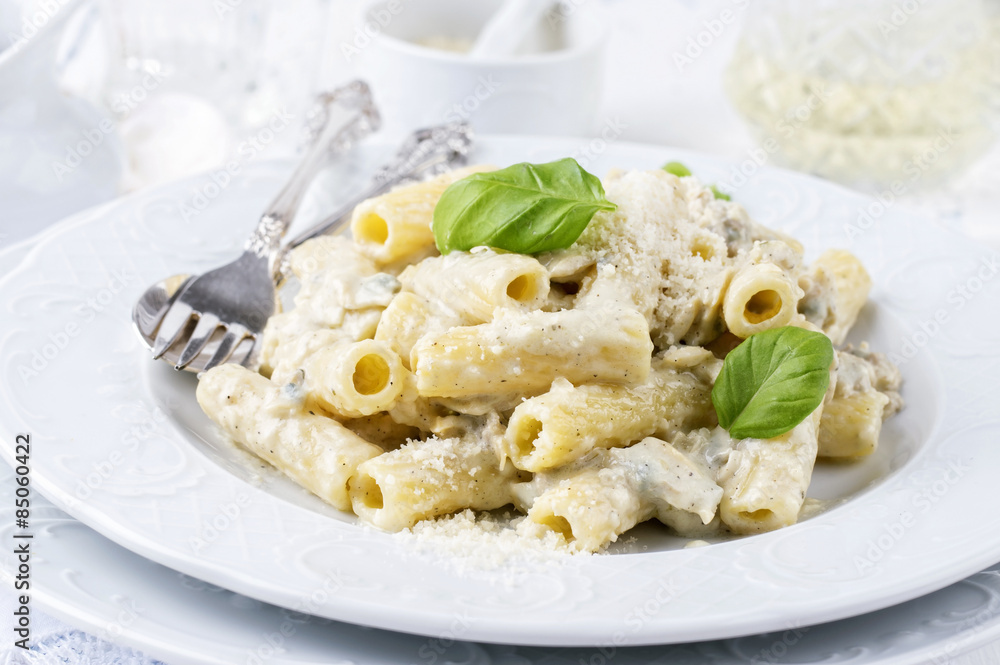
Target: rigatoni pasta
{"x": 317, "y": 452}
{"x": 590, "y": 508}
{"x": 567, "y": 422}
{"x": 575, "y": 385}
{"x": 852, "y": 285}
{"x": 764, "y": 482}
{"x": 475, "y": 284}
{"x": 521, "y": 353}
{"x": 852, "y": 419}
{"x": 592, "y": 505}
{"x": 397, "y": 225}
{"x": 408, "y": 318}
{"x": 356, "y": 378}
{"x": 761, "y": 296}
{"x": 429, "y": 478}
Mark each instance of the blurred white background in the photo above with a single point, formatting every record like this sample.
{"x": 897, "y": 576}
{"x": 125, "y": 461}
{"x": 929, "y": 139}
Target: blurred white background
{"x": 179, "y": 107}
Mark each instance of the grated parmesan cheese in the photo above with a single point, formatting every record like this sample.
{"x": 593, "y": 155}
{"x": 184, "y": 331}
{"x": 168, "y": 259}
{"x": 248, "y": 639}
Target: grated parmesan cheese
{"x": 467, "y": 543}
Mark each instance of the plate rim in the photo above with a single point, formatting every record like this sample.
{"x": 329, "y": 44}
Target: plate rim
{"x": 154, "y": 642}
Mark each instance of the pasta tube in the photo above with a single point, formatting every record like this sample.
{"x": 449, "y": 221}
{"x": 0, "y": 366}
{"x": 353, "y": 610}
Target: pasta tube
{"x": 591, "y": 507}
{"x": 522, "y": 353}
{"x": 286, "y": 351}
{"x": 317, "y": 452}
{"x": 335, "y": 277}
{"x": 397, "y": 225}
{"x": 852, "y": 420}
{"x": 341, "y": 296}
{"x": 474, "y": 284}
{"x": 764, "y": 482}
{"x": 355, "y": 379}
{"x": 425, "y": 479}
{"x": 851, "y": 424}
{"x": 408, "y": 318}
{"x": 852, "y": 287}
{"x": 567, "y": 422}
{"x": 761, "y": 296}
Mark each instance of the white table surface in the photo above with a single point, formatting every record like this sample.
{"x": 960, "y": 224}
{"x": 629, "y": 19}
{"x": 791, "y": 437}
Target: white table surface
{"x": 653, "y": 102}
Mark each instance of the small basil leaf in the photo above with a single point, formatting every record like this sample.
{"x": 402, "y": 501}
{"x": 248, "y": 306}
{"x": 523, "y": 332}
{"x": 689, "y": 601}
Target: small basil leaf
{"x": 681, "y": 171}
{"x": 677, "y": 169}
{"x": 719, "y": 194}
{"x": 525, "y": 208}
{"x": 772, "y": 381}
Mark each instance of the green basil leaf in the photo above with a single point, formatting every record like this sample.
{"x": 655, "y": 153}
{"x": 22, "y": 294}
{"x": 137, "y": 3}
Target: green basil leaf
{"x": 680, "y": 171}
{"x": 677, "y": 169}
{"x": 719, "y": 194}
{"x": 525, "y": 208}
{"x": 772, "y": 381}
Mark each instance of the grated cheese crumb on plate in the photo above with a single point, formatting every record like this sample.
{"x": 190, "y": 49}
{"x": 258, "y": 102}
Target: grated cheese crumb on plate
{"x": 469, "y": 542}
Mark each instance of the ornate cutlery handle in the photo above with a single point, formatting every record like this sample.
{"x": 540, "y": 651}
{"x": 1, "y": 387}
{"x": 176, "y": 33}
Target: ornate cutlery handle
{"x": 344, "y": 116}
{"x": 425, "y": 153}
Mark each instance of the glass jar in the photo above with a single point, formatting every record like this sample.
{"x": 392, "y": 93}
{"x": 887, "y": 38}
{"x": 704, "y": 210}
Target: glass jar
{"x": 871, "y": 93}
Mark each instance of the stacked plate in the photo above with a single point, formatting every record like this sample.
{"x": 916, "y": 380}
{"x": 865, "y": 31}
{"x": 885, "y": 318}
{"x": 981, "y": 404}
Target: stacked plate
{"x": 230, "y": 562}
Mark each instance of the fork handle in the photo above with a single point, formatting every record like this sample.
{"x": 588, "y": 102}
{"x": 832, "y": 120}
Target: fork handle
{"x": 346, "y": 115}
{"x": 332, "y": 222}
{"x": 341, "y": 216}
{"x": 426, "y": 152}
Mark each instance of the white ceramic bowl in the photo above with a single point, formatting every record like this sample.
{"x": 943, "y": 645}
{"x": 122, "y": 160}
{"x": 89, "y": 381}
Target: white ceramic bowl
{"x": 550, "y": 92}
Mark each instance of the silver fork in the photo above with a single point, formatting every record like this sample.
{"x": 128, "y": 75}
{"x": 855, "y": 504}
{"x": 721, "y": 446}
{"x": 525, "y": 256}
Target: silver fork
{"x": 239, "y": 297}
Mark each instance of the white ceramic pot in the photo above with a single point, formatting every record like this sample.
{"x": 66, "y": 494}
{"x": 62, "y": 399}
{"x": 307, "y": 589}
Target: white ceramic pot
{"x": 555, "y": 91}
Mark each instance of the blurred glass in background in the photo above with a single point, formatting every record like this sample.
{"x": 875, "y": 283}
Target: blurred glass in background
{"x": 58, "y": 152}
{"x": 194, "y": 83}
{"x": 98, "y": 97}
{"x": 876, "y": 94}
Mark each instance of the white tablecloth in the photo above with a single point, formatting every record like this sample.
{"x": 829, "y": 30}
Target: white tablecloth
{"x": 655, "y": 103}
{"x": 55, "y": 643}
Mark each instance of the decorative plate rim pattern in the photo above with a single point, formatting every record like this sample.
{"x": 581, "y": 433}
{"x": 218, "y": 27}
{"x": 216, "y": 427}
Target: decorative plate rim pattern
{"x": 116, "y": 594}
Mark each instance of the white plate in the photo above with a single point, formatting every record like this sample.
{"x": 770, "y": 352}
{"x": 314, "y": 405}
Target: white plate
{"x": 90, "y": 582}
{"x": 121, "y": 445}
